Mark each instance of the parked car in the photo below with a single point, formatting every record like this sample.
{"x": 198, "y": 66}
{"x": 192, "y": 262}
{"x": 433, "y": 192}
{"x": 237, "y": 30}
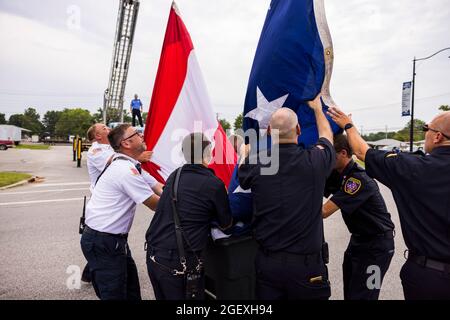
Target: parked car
{"x": 5, "y": 144}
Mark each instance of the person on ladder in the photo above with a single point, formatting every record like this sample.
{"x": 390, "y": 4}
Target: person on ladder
{"x": 136, "y": 110}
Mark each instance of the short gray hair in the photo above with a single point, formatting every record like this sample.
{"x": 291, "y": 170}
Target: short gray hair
{"x": 116, "y": 135}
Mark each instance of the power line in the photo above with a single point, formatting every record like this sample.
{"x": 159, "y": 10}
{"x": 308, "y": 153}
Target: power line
{"x": 397, "y": 103}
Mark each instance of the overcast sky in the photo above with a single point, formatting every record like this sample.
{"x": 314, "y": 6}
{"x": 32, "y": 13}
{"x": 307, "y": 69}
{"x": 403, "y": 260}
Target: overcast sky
{"x": 50, "y": 61}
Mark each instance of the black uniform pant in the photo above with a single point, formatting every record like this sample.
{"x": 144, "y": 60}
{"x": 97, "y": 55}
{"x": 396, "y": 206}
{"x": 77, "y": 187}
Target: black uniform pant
{"x": 113, "y": 271}
{"x": 166, "y": 285}
{"x": 285, "y": 276}
{"x": 365, "y": 264}
{"x": 86, "y": 275}
{"x": 137, "y": 113}
{"x": 423, "y": 283}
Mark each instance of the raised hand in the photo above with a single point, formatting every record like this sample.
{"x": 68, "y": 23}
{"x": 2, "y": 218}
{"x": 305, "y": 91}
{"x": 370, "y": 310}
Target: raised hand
{"x": 339, "y": 116}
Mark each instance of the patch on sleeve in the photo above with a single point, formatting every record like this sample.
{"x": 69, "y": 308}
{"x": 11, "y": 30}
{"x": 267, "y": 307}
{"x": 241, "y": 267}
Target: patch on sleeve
{"x": 390, "y": 155}
{"x": 96, "y": 150}
{"x": 352, "y": 185}
{"x": 134, "y": 171}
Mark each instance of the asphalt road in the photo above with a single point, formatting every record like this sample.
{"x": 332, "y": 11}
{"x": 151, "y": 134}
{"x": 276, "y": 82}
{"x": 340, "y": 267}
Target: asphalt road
{"x": 39, "y": 241}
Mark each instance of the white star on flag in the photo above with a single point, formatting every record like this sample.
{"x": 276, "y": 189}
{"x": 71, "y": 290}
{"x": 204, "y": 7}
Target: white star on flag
{"x": 240, "y": 190}
{"x": 264, "y": 110}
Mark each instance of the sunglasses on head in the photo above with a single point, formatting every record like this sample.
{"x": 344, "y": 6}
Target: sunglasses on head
{"x": 426, "y": 128}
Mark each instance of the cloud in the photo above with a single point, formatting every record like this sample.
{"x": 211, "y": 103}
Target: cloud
{"x": 374, "y": 41}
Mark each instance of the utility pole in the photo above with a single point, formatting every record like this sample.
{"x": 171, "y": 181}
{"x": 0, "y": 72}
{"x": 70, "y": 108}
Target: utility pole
{"x": 411, "y": 129}
{"x": 105, "y": 102}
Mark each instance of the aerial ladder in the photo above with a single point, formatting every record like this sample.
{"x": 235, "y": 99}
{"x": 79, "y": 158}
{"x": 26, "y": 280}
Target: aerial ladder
{"x": 123, "y": 43}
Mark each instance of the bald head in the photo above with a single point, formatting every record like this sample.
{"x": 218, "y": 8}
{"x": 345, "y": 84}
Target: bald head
{"x": 439, "y": 132}
{"x": 285, "y": 121}
{"x": 442, "y": 122}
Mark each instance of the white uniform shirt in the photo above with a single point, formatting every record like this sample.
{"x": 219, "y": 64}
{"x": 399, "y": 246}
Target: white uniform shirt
{"x": 97, "y": 157}
{"x": 113, "y": 203}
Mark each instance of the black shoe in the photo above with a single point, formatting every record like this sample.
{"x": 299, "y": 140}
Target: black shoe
{"x": 86, "y": 275}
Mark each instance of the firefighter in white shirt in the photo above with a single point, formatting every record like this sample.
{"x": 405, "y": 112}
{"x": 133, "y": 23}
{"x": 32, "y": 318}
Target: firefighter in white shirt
{"x": 98, "y": 155}
{"x": 100, "y": 152}
{"x": 110, "y": 213}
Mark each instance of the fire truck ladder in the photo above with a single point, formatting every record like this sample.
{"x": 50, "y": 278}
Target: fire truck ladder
{"x": 123, "y": 43}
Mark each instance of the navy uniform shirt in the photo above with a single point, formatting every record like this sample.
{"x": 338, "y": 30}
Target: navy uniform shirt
{"x": 288, "y": 205}
{"x": 361, "y": 203}
{"x": 421, "y": 189}
{"x": 202, "y": 198}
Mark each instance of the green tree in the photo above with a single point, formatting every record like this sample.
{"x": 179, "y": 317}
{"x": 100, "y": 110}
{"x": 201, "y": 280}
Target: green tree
{"x": 111, "y": 116}
{"x": 144, "y": 117}
{"x": 2, "y": 118}
{"x": 127, "y": 117}
{"x": 444, "y": 107}
{"x": 50, "y": 120}
{"x": 73, "y": 122}
{"x": 31, "y": 121}
{"x": 16, "y": 120}
{"x": 98, "y": 116}
{"x": 28, "y": 120}
{"x": 238, "y": 122}
{"x": 225, "y": 124}
{"x": 403, "y": 134}
{"x": 378, "y": 136}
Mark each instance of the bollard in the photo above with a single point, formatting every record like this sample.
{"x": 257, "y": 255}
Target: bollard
{"x": 74, "y": 147}
{"x": 79, "y": 149}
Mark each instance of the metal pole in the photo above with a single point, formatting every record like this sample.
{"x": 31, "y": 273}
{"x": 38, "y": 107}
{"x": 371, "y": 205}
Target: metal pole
{"x": 74, "y": 147}
{"x": 79, "y": 150}
{"x": 411, "y": 129}
{"x": 105, "y": 98}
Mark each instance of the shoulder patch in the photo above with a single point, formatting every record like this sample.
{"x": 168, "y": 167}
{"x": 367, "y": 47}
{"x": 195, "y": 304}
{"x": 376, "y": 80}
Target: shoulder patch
{"x": 134, "y": 171}
{"x": 352, "y": 185}
{"x": 390, "y": 155}
{"x": 96, "y": 150}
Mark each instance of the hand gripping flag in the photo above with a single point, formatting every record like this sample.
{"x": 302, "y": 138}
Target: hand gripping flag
{"x": 292, "y": 65}
{"x": 180, "y": 105}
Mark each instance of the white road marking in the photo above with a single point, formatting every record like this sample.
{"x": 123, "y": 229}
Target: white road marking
{"x": 43, "y": 185}
{"x": 40, "y": 191}
{"x": 39, "y": 201}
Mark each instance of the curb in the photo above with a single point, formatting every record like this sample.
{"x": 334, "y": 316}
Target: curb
{"x": 32, "y": 179}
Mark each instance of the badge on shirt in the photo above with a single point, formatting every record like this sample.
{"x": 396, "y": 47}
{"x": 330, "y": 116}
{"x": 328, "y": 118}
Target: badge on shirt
{"x": 96, "y": 150}
{"x": 134, "y": 171}
{"x": 390, "y": 155}
{"x": 352, "y": 185}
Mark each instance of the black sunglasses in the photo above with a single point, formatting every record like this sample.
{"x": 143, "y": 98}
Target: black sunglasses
{"x": 426, "y": 128}
{"x": 131, "y": 136}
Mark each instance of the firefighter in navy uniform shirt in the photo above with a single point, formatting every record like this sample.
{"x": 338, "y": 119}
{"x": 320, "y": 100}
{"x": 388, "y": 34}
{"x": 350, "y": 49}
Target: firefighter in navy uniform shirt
{"x": 421, "y": 188}
{"x": 287, "y": 206}
{"x": 201, "y": 200}
{"x": 366, "y": 216}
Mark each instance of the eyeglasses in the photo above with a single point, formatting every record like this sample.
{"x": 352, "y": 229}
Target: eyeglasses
{"x": 131, "y": 136}
{"x": 426, "y": 128}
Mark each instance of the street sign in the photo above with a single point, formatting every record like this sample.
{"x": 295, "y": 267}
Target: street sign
{"x": 406, "y": 99}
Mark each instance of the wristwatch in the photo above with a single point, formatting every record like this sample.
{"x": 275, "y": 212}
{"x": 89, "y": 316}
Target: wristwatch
{"x": 348, "y": 126}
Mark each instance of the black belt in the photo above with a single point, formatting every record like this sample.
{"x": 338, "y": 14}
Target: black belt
{"x": 390, "y": 234}
{"x": 429, "y": 263}
{"x": 87, "y": 229}
{"x": 292, "y": 257}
